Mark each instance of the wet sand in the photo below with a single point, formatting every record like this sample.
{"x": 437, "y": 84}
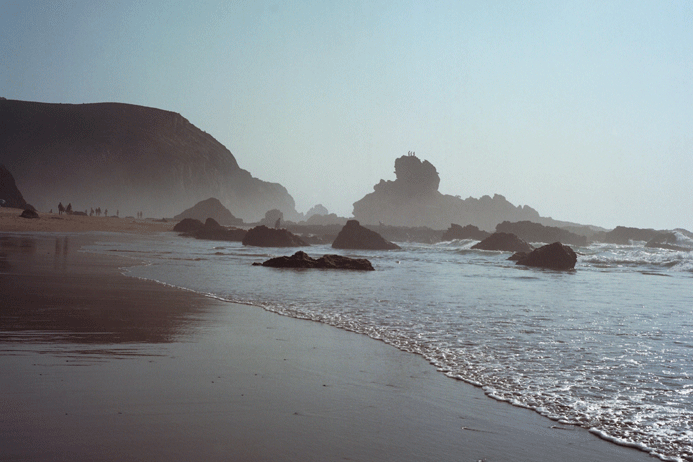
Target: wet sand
{"x": 99, "y": 366}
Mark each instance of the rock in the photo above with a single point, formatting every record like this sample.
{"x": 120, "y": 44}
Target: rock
{"x": 9, "y": 194}
{"x": 468, "y": 232}
{"x": 506, "y": 242}
{"x": 535, "y": 232}
{"x": 211, "y": 230}
{"x": 355, "y": 236}
{"x": 672, "y": 240}
{"x": 302, "y": 260}
{"x": 188, "y": 225}
{"x": 553, "y": 256}
{"x": 210, "y": 208}
{"x": 262, "y": 236}
{"x": 624, "y": 236}
{"x": 28, "y": 213}
{"x": 518, "y": 256}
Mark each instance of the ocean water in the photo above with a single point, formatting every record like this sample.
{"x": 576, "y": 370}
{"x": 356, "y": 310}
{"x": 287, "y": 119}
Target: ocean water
{"x": 608, "y": 346}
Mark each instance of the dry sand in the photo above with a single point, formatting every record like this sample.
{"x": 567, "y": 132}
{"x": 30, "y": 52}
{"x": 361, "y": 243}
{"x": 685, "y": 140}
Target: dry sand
{"x": 99, "y": 366}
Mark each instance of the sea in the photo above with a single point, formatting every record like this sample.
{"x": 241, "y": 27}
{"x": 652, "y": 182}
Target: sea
{"x": 607, "y": 346}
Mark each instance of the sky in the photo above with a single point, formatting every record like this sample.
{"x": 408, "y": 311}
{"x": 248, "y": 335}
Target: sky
{"x": 582, "y": 110}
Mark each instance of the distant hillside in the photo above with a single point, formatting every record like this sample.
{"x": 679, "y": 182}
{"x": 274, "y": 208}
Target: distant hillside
{"x": 128, "y": 158}
{"x": 413, "y": 200}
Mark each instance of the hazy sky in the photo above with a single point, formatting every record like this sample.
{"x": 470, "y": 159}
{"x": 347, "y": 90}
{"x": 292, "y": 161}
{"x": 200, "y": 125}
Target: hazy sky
{"x": 582, "y": 110}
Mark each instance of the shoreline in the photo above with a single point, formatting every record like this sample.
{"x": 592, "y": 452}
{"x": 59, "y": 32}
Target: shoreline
{"x": 107, "y": 367}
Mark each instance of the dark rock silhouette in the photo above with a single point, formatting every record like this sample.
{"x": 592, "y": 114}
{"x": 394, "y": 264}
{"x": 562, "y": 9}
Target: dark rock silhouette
{"x": 671, "y": 241}
{"x": 302, "y": 260}
{"x": 209, "y": 230}
{"x": 272, "y": 217}
{"x": 553, "y": 256}
{"x": 28, "y": 213}
{"x": 9, "y": 192}
{"x": 114, "y": 154}
{"x": 318, "y": 209}
{"x": 413, "y": 200}
{"x": 535, "y": 232}
{"x": 506, "y": 242}
{"x": 623, "y": 235}
{"x": 262, "y": 236}
{"x": 467, "y": 232}
{"x": 355, "y": 236}
{"x": 210, "y": 208}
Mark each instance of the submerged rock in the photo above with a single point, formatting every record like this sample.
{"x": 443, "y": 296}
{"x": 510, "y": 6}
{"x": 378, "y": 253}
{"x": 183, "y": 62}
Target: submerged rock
{"x": 506, "y": 242}
{"x": 302, "y": 260}
{"x": 355, "y": 236}
{"x": 552, "y": 256}
{"x": 262, "y": 236}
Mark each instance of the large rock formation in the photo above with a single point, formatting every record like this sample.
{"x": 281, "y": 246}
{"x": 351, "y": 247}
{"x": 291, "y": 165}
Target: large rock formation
{"x": 624, "y": 235}
{"x": 413, "y": 200}
{"x": 210, "y": 208}
{"x": 355, "y": 236}
{"x": 302, "y": 260}
{"x": 553, "y": 256}
{"x": 262, "y": 236}
{"x": 535, "y": 232}
{"x": 132, "y": 158}
{"x": 468, "y": 232}
{"x": 506, "y": 242}
{"x": 9, "y": 193}
{"x": 209, "y": 230}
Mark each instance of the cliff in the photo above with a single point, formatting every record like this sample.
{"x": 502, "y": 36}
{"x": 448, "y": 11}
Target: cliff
{"x": 127, "y": 157}
{"x": 413, "y": 200}
{"x": 9, "y": 194}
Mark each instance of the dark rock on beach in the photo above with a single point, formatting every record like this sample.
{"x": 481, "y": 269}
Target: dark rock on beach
{"x": 28, "y": 213}
{"x": 467, "y": 232}
{"x": 302, "y": 260}
{"x": 355, "y": 236}
{"x": 553, "y": 256}
{"x": 262, "y": 236}
{"x": 506, "y": 242}
{"x": 188, "y": 225}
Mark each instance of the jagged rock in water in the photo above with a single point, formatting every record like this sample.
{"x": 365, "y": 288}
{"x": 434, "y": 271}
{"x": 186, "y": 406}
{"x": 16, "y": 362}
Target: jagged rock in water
{"x": 262, "y": 236}
{"x": 122, "y": 156}
{"x": 302, "y": 260}
{"x": 535, "y": 232}
{"x": 210, "y": 208}
{"x": 210, "y": 230}
{"x": 355, "y": 236}
{"x": 9, "y": 193}
{"x": 671, "y": 241}
{"x": 553, "y": 256}
{"x": 467, "y": 232}
{"x": 506, "y": 242}
{"x": 623, "y": 235}
{"x": 413, "y": 200}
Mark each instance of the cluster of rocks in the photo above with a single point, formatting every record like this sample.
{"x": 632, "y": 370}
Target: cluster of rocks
{"x": 552, "y": 256}
{"x": 209, "y": 230}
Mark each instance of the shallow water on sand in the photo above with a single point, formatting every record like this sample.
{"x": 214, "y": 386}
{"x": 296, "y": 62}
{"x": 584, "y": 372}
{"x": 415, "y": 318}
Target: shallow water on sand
{"x": 608, "y": 346}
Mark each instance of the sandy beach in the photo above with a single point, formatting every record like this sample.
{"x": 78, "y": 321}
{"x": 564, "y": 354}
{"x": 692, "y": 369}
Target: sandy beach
{"x": 100, "y": 366}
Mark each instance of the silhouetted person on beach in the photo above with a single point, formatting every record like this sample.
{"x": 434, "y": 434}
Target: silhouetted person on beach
{"x": 61, "y": 208}
{"x": 68, "y": 209}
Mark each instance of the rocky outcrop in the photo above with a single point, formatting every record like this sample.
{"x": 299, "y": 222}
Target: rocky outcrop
{"x": 209, "y": 230}
{"x": 413, "y": 200}
{"x": 467, "y": 232}
{"x": 127, "y": 157}
{"x": 9, "y": 193}
{"x": 355, "y": 236}
{"x": 506, "y": 242}
{"x": 552, "y": 256}
{"x": 262, "y": 236}
{"x": 671, "y": 240}
{"x": 210, "y": 208}
{"x": 302, "y": 260}
{"x": 624, "y": 236}
{"x": 535, "y": 232}
{"x": 28, "y": 213}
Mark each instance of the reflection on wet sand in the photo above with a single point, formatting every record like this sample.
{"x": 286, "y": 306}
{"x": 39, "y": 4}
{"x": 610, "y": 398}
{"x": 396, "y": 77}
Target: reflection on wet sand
{"x": 53, "y": 294}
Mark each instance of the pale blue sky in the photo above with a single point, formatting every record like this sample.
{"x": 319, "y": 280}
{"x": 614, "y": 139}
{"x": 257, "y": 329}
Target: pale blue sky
{"x": 582, "y": 110}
